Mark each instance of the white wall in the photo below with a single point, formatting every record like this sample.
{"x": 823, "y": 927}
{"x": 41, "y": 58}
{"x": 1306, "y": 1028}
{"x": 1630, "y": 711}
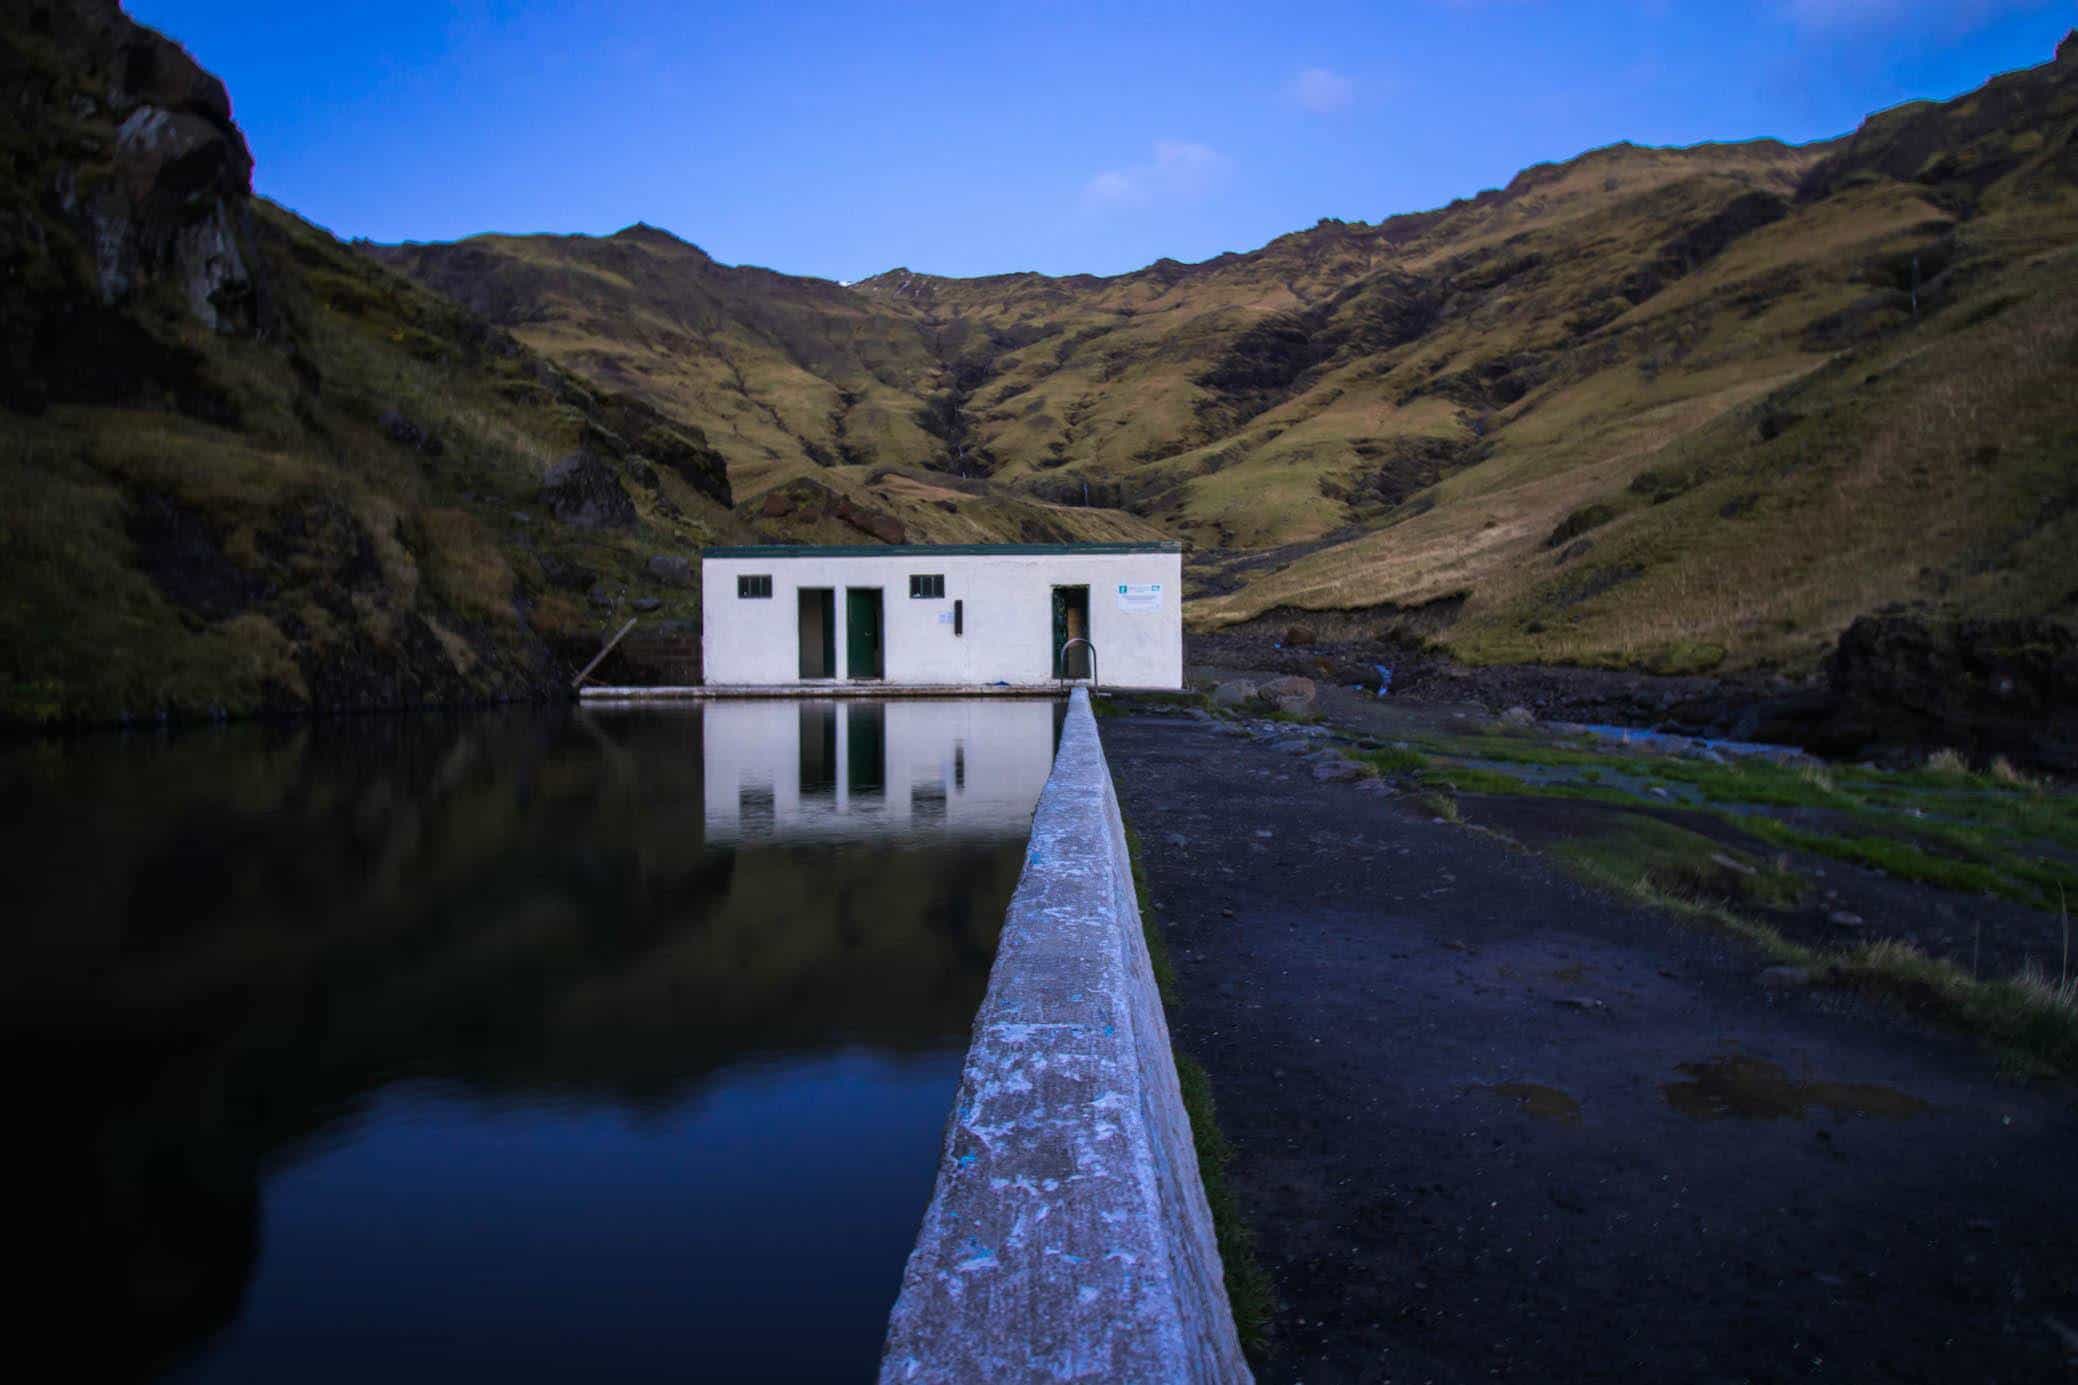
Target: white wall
{"x": 962, "y": 768}
{"x": 1008, "y": 625}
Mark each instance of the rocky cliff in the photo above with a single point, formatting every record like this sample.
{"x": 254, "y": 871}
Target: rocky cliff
{"x": 127, "y": 194}
{"x": 250, "y": 470}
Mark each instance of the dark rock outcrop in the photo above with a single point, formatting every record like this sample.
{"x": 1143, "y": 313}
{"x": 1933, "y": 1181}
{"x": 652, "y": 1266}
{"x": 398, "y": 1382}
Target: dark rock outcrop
{"x": 149, "y": 171}
{"x": 625, "y": 429}
{"x": 129, "y": 188}
{"x": 584, "y": 493}
{"x": 672, "y": 569}
{"x": 1988, "y": 686}
{"x": 1957, "y": 148}
{"x": 559, "y": 571}
{"x": 805, "y": 501}
{"x": 1291, "y": 694}
{"x": 402, "y": 431}
{"x": 683, "y": 449}
{"x": 186, "y": 561}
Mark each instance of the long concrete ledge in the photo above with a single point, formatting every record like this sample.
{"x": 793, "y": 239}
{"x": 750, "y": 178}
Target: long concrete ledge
{"x": 1068, "y": 1237}
{"x": 703, "y": 691}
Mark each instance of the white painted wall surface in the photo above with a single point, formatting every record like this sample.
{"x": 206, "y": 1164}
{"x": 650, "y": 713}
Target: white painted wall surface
{"x": 961, "y": 768}
{"x": 1008, "y": 625}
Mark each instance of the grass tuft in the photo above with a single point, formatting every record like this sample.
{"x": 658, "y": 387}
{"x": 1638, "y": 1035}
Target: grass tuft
{"x": 1439, "y": 803}
{"x": 2032, "y": 1015}
{"x": 1393, "y": 760}
{"x": 2004, "y": 771}
{"x": 1948, "y": 762}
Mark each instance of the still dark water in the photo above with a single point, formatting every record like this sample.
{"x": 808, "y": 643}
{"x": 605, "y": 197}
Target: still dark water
{"x": 613, "y": 1045}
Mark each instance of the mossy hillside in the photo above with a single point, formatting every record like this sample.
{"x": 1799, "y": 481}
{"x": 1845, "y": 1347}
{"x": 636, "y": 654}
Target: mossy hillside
{"x": 361, "y": 524}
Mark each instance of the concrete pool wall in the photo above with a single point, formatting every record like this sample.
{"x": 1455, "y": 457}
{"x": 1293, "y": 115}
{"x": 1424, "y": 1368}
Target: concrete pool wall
{"x": 1068, "y": 1236}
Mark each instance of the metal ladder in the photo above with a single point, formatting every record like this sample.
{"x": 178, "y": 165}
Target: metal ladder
{"x": 1093, "y": 659}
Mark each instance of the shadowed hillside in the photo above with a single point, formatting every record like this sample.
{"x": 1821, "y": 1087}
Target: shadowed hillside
{"x": 247, "y": 468}
{"x": 1663, "y": 408}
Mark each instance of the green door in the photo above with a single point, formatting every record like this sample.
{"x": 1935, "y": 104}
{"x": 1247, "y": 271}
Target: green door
{"x": 862, "y": 655}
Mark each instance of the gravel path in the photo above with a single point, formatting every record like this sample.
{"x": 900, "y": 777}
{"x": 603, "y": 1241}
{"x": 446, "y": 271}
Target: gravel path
{"x": 1493, "y": 1124}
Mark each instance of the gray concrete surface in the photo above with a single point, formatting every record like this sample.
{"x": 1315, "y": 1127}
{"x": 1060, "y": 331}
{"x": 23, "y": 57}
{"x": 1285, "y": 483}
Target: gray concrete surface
{"x": 697, "y": 692}
{"x": 1068, "y": 1237}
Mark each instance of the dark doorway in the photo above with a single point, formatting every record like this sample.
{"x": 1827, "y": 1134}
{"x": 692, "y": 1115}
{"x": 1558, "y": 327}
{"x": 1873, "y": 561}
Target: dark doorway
{"x": 818, "y": 632}
{"x": 1071, "y": 621}
{"x": 862, "y": 653}
{"x": 818, "y": 750}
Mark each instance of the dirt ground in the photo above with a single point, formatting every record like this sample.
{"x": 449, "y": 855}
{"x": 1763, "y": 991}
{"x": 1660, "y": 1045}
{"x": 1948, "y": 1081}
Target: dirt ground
{"x": 1491, "y": 1123}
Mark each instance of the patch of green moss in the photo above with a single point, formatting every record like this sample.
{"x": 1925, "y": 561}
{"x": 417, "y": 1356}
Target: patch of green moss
{"x": 1684, "y": 657}
{"x": 2034, "y": 1023}
{"x": 1682, "y": 864}
{"x": 1393, "y": 760}
{"x": 1907, "y": 861}
{"x": 1249, "y": 1290}
{"x": 1960, "y": 831}
{"x": 1466, "y": 779}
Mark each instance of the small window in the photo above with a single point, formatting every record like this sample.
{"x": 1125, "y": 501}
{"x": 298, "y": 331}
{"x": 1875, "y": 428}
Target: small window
{"x": 927, "y": 586}
{"x": 754, "y": 586}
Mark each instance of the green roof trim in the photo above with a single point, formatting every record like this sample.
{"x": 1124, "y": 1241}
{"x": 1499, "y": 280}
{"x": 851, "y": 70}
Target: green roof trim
{"x": 937, "y": 550}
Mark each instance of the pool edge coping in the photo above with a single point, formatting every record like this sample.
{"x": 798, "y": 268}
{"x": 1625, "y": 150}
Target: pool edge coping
{"x": 1068, "y": 1234}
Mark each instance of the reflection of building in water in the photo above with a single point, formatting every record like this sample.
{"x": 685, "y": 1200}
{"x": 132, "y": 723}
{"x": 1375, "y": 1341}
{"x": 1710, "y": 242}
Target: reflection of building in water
{"x": 861, "y": 768}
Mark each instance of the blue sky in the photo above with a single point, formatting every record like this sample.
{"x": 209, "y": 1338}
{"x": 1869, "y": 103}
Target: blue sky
{"x": 979, "y": 137}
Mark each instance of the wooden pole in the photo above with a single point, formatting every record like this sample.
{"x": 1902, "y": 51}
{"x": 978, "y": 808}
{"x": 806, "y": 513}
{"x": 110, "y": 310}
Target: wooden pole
{"x": 603, "y": 653}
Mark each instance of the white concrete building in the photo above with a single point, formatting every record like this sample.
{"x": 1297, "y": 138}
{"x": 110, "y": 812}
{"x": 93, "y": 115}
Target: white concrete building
{"x": 960, "y": 616}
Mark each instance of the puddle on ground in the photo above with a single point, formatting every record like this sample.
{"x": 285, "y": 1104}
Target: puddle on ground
{"x": 1750, "y": 1089}
{"x": 1545, "y": 1103}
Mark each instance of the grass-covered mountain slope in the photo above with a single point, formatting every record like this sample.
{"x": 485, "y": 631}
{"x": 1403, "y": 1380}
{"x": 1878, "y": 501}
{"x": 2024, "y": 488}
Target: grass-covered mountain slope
{"x": 1870, "y": 399}
{"x": 1663, "y": 408}
{"x": 249, "y": 469}
{"x": 820, "y": 399}
{"x": 1674, "y": 409}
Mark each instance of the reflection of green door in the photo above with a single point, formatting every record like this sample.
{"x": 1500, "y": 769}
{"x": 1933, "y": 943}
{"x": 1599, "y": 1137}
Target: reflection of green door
{"x": 862, "y": 632}
{"x": 865, "y": 749}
